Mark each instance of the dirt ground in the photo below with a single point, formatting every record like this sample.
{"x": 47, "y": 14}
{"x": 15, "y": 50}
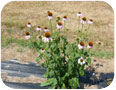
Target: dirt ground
{"x": 26, "y": 55}
{"x": 30, "y": 79}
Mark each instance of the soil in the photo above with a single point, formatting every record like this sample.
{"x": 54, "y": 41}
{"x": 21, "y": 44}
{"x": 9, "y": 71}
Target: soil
{"x": 30, "y": 79}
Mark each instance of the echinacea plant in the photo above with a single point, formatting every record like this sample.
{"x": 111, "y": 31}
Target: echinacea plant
{"x": 64, "y": 62}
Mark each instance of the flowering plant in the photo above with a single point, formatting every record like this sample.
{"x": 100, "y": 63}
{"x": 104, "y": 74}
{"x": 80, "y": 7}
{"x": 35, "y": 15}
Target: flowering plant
{"x": 64, "y": 61}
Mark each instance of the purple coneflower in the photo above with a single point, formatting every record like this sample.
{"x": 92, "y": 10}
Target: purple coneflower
{"x": 50, "y": 15}
{"x": 79, "y": 14}
{"x": 46, "y": 29}
{"x": 42, "y": 50}
{"x": 83, "y": 21}
{"x": 38, "y": 28}
{"x": 90, "y": 21}
{"x": 27, "y": 35}
{"x": 64, "y": 18}
{"x": 81, "y": 45}
{"x": 59, "y": 25}
{"x": 47, "y": 37}
{"x": 29, "y": 24}
{"x": 90, "y": 45}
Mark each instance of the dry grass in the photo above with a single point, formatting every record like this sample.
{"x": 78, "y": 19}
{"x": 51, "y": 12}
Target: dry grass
{"x": 15, "y": 16}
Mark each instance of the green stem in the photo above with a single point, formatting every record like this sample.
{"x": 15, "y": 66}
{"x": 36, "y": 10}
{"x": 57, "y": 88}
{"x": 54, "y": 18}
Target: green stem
{"x": 59, "y": 31}
{"x": 82, "y": 51}
{"x": 31, "y": 31}
{"x": 56, "y": 26}
{"x": 79, "y": 23}
{"x": 39, "y": 33}
{"x": 82, "y": 29}
{"x": 87, "y": 30}
{"x": 88, "y": 27}
{"x": 64, "y": 28}
{"x": 50, "y": 26}
{"x": 64, "y": 25}
{"x": 89, "y": 51}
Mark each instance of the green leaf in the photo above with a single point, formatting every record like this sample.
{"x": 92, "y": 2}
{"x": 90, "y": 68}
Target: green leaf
{"x": 81, "y": 72}
{"x": 66, "y": 75}
{"x": 89, "y": 60}
{"x": 51, "y": 73}
{"x": 49, "y": 82}
{"x": 52, "y": 87}
{"x": 46, "y": 83}
{"x": 52, "y": 65}
{"x": 77, "y": 55}
{"x": 47, "y": 55}
{"x": 38, "y": 59}
{"x": 63, "y": 86}
{"x": 74, "y": 83}
{"x": 54, "y": 81}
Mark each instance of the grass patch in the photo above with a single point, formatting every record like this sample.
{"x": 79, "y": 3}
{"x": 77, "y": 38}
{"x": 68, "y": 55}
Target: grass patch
{"x": 102, "y": 54}
{"x": 20, "y": 49}
{"x": 23, "y": 43}
{"x": 33, "y": 46}
{"x": 7, "y": 42}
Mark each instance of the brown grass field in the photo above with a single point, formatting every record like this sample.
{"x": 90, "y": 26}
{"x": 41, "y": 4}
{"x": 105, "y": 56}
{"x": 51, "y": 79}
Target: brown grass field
{"x": 15, "y": 16}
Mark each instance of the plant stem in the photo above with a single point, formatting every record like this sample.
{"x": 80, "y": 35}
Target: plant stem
{"x": 79, "y": 23}
{"x": 64, "y": 25}
{"x": 82, "y": 28}
{"x": 82, "y": 51}
{"x": 87, "y": 30}
{"x": 31, "y": 31}
{"x": 50, "y": 26}
{"x": 64, "y": 28}
{"x": 88, "y": 50}
{"x": 88, "y": 27}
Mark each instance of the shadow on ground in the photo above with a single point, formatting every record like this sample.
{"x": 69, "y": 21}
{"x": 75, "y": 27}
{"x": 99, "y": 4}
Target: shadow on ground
{"x": 101, "y": 80}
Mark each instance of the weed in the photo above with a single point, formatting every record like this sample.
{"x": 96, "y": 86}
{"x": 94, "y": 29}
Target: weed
{"x": 20, "y": 49}
{"x": 8, "y": 42}
{"x": 102, "y": 54}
